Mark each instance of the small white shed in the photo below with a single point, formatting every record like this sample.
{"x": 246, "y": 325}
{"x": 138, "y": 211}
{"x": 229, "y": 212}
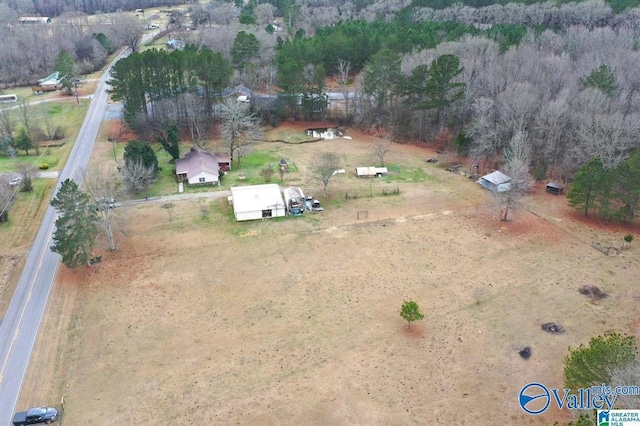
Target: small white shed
{"x": 257, "y": 202}
{"x": 371, "y": 171}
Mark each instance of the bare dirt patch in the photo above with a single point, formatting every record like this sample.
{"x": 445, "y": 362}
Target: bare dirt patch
{"x": 297, "y": 321}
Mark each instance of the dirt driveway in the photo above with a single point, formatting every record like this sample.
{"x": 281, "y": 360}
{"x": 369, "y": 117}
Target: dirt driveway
{"x": 296, "y": 321}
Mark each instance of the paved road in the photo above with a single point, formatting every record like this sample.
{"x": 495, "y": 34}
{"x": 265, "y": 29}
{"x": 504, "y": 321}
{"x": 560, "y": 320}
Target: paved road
{"x": 19, "y": 328}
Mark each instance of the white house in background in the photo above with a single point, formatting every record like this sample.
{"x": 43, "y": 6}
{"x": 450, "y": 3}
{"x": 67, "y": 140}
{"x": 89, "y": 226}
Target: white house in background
{"x": 257, "y": 202}
{"x": 198, "y": 167}
{"x": 371, "y": 171}
{"x": 495, "y": 181}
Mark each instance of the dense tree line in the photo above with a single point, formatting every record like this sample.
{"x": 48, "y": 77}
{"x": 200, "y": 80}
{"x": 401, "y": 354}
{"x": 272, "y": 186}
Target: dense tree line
{"x": 590, "y": 13}
{"x": 357, "y": 41}
{"x": 571, "y": 93}
{"x": 159, "y": 88}
{"x": 49, "y": 8}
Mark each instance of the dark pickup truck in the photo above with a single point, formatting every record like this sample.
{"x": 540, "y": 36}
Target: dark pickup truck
{"x": 35, "y": 416}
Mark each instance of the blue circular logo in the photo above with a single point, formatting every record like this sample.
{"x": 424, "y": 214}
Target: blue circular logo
{"x": 534, "y": 398}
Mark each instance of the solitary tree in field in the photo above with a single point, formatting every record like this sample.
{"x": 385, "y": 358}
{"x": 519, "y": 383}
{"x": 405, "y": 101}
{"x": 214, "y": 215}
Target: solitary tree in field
{"x": 324, "y": 165}
{"x": 410, "y": 311}
{"x": 381, "y": 149}
{"x": 76, "y": 226}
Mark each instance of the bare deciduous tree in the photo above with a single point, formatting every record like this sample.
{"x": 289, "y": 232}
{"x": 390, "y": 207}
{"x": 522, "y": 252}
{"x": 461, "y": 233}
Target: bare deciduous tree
{"x": 342, "y": 78}
{"x": 240, "y": 127}
{"x": 6, "y": 123}
{"x": 380, "y": 149}
{"x": 50, "y": 128}
{"x": 102, "y": 187}
{"x": 486, "y": 142}
{"x": 196, "y": 116}
{"x": 626, "y": 376}
{"x": 609, "y": 137}
{"x": 550, "y": 128}
{"x": 517, "y": 159}
{"x": 265, "y": 13}
{"x": 27, "y": 172}
{"x": 6, "y": 195}
{"x": 221, "y": 13}
{"x": 136, "y": 177}
{"x": 219, "y": 38}
{"x": 128, "y": 30}
{"x": 199, "y": 16}
{"x": 517, "y": 105}
{"x": 323, "y": 167}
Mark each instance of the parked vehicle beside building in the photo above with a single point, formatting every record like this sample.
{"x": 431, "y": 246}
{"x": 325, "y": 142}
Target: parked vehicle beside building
{"x": 294, "y": 200}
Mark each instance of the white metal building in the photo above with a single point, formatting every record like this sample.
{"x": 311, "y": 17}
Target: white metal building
{"x": 371, "y": 171}
{"x": 495, "y": 181}
{"x": 257, "y": 202}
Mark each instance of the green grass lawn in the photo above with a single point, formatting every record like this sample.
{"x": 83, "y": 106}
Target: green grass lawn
{"x": 66, "y": 116}
{"x": 398, "y": 173}
{"x": 166, "y": 182}
{"x": 287, "y": 135}
{"x": 25, "y": 214}
{"x": 245, "y": 172}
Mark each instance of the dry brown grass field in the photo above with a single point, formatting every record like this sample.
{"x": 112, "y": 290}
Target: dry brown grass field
{"x": 201, "y": 320}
